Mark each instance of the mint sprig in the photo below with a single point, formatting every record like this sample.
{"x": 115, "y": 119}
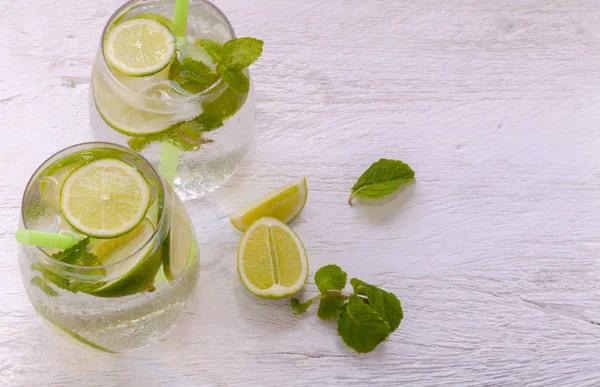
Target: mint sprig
{"x": 366, "y": 317}
{"x": 381, "y": 179}
{"x": 76, "y": 255}
{"x": 229, "y": 62}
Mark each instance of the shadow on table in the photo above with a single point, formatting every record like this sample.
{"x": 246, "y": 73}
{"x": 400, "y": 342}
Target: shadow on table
{"x": 386, "y": 209}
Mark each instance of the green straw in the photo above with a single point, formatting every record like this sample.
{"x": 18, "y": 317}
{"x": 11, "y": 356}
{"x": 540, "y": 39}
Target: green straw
{"x": 45, "y": 239}
{"x": 180, "y": 18}
{"x": 169, "y": 154}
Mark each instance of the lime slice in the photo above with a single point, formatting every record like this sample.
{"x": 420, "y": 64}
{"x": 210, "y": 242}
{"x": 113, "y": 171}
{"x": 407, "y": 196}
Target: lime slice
{"x": 51, "y": 183}
{"x": 124, "y": 117}
{"x": 74, "y": 337}
{"x": 272, "y": 262}
{"x": 105, "y": 198}
{"x": 139, "y": 47}
{"x": 283, "y": 204}
{"x": 152, "y": 214}
{"x": 178, "y": 253}
{"x": 138, "y": 266}
{"x": 153, "y": 16}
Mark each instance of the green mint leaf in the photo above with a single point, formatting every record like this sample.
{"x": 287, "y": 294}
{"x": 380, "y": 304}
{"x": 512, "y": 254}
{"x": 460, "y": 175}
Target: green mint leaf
{"x": 240, "y": 53}
{"x": 382, "y": 178}
{"x": 361, "y": 327}
{"x": 43, "y": 285}
{"x": 331, "y": 307}
{"x": 386, "y": 304}
{"x": 79, "y": 256}
{"x": 301, "y": 307}
{"x": 196, "y": 67}
{"x": 330, "y": 277}
{"x": 212, "y": 48}
{"x": 51, "y": 277}
{"x": 73, "y": 253}
{"x": 236, "y": 79}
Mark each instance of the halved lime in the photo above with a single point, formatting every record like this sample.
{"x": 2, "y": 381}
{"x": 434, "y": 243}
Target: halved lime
{"x": 283, "y": 204}
{"x": 178, "y": 253}
{"x": 105, "y": 198}
{"x": 139, "y": 265}
{"x": 124, "y": 117}
{"x": 272, "y": 262}
{"x": 139, "y": 47}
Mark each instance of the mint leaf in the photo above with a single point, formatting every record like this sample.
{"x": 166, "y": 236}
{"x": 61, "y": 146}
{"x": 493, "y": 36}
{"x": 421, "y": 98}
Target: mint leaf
{"x": 50, "y": 276}
{"x": 212, "y": 48}
{"x": 382, "y": 178}
{"x": 331, "y": 307}
{"x": 196, "y": 67}
{"x": 301, "y": 307}
{"x": 43, "y": 285}
{"x": 330, "y": 277}
{"x": 361, "y": 327}
{"x": 79, "y": 256}
{"x": 73, "y": 253}
{"x": 236, "y": 79}
{"x": 386, "y": 304}
{"x": 240, "y": 53}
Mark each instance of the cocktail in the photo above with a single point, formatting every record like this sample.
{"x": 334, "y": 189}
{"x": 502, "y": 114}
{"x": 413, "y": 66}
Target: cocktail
{"x": 108, "y": 253}
{"x": 171, "y": 80}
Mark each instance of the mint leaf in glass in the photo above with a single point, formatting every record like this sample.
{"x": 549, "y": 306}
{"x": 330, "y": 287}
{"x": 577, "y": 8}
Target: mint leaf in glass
{"x": 240, "y": 53}
{"x": 212, "y": 48}
{"x": 330, "y": 277}
{"x": 361, "y": 327}
{"x": 236, "y": 79}
{"x": 381, "y": 179}
{"x": 43, "y": 285}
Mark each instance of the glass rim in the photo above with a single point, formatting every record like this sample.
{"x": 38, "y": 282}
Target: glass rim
{"x": 96, "y": 144}
{"x": 129, "y": 3}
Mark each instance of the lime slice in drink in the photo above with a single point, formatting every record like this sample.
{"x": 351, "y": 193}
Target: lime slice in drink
{"x": 177, "y": 255}
{"x": 74, "y": 337}
{"x": 51, "y": 183}
{"x": 272, "y": 262}
{"x": 105, "y": 198}
{"x": 139, "y": 47}
{"x": 122, "y": 116}
{"x": 283, "y": 204}
{"x": 153, "y": 16}
{"x": 129, "y": 262}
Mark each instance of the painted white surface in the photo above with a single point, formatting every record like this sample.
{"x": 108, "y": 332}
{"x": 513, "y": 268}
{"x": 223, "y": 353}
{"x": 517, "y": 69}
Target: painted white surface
{"x": 494, "y": 251}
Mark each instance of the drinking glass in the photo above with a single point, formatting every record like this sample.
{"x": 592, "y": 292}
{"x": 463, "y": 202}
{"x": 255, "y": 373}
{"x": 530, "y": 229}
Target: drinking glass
{"x": 114, "y": 294}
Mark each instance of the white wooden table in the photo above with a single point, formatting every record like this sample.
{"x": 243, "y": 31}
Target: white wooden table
{"x": 494, "y": 252}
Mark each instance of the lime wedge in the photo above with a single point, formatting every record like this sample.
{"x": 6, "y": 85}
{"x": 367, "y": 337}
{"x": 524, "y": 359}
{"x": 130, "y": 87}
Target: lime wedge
{"x": 178, "y": 253}
{"x": 139, "y": 47}
{"x": 272, "y": 262}
{"x": 283, "y": 204}
{"x": 105, "y": 198}
{"x": 131, "y": 264}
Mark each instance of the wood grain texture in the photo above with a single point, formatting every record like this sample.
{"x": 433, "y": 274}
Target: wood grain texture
{"x": 494, "y": 251}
